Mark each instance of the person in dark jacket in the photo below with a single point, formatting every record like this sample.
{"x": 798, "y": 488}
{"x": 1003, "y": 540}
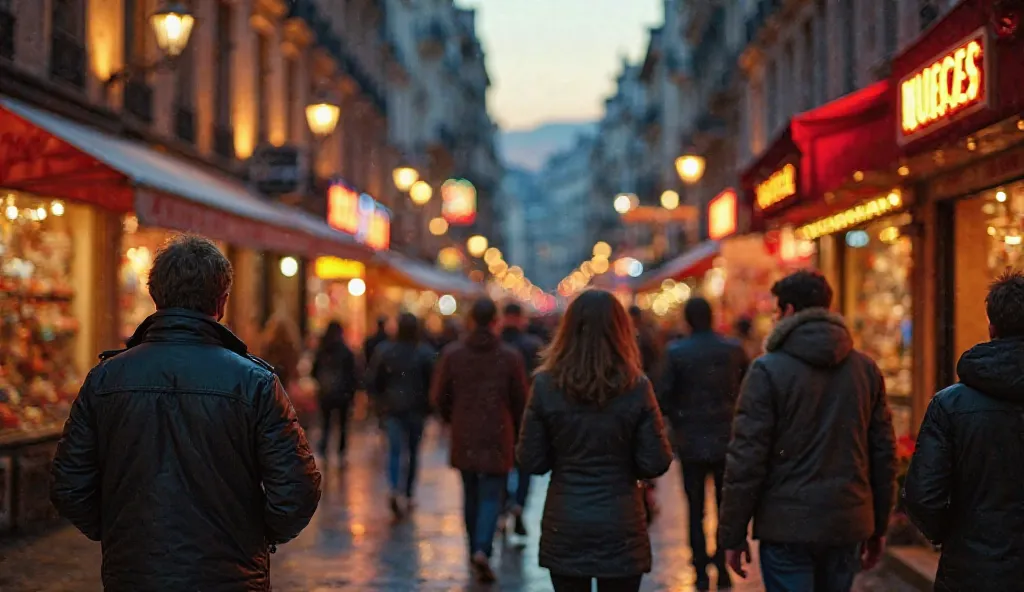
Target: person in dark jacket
{"x": 650, "y": 355}
{"x": 182, "y": 453}
{"x": 594, "y": 423}
{"x": 701, "y": 382}
{"x": 373, "y": 341}
{"x": 513, "y": 333}
{"x": 399, "y": 381}
{"x": 962, "y": 489}
{"x": 812, "y": 459}
{"x": 480, "y": 388}
{"x": 334, "y": 368}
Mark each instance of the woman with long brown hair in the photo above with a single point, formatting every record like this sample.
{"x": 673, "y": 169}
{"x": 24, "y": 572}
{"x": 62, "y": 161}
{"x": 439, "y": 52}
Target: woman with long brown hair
{"x": 594, "y": 423}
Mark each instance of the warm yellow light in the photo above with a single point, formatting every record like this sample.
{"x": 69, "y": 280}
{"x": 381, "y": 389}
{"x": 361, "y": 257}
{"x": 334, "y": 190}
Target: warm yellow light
{"x": 1012, "y": 239}
{"x": 858, "y": 176}
{"x": 599, "y": 265}
{"x": 669, "y": 200}
{"x": 991, "y": 230}
{"x": 449, "y": 258}
{"x": 623, "y": 203}
{"x": 949, "y": 84}
{"x": 438, "y": 226}
{"x": 11, "y": 212}
{"x": 322, "y": 118}
{"x": 405, "y": 177}
{"x": 779, "y": 186}
{"x": 903, "y": 171}
{"x": 420, "y": 193}
{"x": 492, "y": 255}
{"x": 852, "y": 217}
{"x": 289, "y": 266}
{"x": 690, "y": 168}
{"x": 602, "y": 250}
{"x": 173, "y": 28}
{"x": 356, "y": 287}
{"x": 57, "y": 208}
{"x": 1001, "y": 196}
{"x": 476, "y": 245}
{"x": 336, "y": 268}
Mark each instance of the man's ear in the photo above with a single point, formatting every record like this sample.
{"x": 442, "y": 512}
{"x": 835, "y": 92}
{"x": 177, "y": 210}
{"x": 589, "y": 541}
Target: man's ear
{"x": 992, "y": 333}
{"x": 222, "y": 305}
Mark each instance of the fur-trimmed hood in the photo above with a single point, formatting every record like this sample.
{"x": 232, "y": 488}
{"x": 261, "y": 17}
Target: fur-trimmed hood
{"x": 815, "y": 335}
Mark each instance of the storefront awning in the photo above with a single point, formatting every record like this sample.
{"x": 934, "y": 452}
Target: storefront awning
{"x": 404, "y": 271}
{"x": 48, "y": 155}
{"x": 693, "y": 263}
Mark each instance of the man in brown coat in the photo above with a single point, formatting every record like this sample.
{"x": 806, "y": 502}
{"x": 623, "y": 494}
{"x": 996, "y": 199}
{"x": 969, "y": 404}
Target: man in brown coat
{"x": 480, "y": 388}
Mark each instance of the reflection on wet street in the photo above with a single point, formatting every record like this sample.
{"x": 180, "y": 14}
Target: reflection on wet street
{"x": 353, "y": 544}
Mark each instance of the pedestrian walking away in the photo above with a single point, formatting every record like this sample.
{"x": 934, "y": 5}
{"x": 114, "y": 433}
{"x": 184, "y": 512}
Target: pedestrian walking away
{"x": 514, "y": 334}
{"x": 399, "y": 382}
{"x": 812, "y": 459}
{"x": 962, "y": 489}
{"x": 480, "y": 388}
{"x": 182, "y": 454}
{"x": 334, "y": 369}
{"x": 698, "y": 392}
{"x": 594, "y": 423}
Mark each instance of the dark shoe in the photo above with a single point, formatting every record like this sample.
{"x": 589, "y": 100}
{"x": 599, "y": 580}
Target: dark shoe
{"x": 724, "y": 580}
{"x": 482, "y": 569}
{"x": 520, "y": 527}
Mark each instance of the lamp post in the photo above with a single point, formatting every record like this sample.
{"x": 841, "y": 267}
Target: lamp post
{"x": 172, "y": 24}
{"x": 690, "y": 168}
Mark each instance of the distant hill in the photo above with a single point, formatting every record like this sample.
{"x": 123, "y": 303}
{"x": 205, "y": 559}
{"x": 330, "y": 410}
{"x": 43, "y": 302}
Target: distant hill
{"x": 530, "y": 149}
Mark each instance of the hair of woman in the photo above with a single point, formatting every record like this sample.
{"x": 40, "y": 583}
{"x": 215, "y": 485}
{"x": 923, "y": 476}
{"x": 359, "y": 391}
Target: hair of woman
{"x": 408, "y": 328}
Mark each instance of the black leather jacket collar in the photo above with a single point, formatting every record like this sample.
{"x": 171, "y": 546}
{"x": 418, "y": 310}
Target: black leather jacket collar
{"x": 186, "y": 326}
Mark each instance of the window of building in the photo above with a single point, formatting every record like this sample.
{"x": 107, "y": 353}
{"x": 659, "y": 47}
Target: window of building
{"x": 67, "y": 18}
{"x": 291, "y": 99}
{"x": 134, "y": 31}
{"x": 185, "y": 78}
{"x": 263, "y": 72}
{"x": 928, "y": 11}
{"x": 821, "y": 65}
{"x": 222, "y": 88}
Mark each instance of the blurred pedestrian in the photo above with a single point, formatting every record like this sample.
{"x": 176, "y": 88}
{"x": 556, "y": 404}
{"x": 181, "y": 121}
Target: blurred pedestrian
{"x": 480, "y": 387}
{"x": 334, "y": 369}
{"x": 371, "y": 343}
{"x": 700, "y": 385}
{"x": 513, "y": 333}
{"x": 963, "y": 490}
{"x": 812, "y": 459}
{"x": 745, "y": 333}
{"x": 281, "y": 346}
{"x": 399, "y": 383}
{"x": 650, "y": 354}
{"x": 449, "y": 334}
{"x": 182, "y": 453}
{"x": 593, "y": 421}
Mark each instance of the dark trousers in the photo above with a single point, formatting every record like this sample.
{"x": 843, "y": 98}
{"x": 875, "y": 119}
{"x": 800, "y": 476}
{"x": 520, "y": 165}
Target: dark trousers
{"x": 695, "y": 476}
{"x": 482, "y": 497}
{"x": 575, "y": 584}
{"x": 404, "y": 435}
{"x": 329, "y": 410}
{"x": 792, "y": 567}
{"x": 520, "y": 490}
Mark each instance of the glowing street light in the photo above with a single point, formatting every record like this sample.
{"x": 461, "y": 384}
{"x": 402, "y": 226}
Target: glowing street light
{"x": 438, "y": 226}
{"x": 420, "y": 193}
{"x": 173, "y": 28}
{"x": 356, "y": 287}
{"x": 476, "y": 245}
{"x": 405, "y": 177}
{"x": 669, "y": 200}
{"x": 289, "y": 267}
{"x": 322, "y": 116}
{"x": 624, "y": 202}
{"x": 602, "y": 250}
{"x": 690, "y": 168}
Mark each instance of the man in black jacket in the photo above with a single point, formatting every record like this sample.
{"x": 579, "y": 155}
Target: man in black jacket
{"x": 962, "y": 489}
{"x": 182, "y": 453}
{"x": 812, "y": 459}
{"x": 700, "y": 384}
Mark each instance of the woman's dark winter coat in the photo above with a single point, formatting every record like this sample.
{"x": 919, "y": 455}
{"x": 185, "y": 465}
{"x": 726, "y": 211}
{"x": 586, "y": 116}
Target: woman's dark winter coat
{"x": 399, "y": 378}
{"x": 964, "y": 488}
{"x": 594, "y": 522}
{"x": 334, "y": 369}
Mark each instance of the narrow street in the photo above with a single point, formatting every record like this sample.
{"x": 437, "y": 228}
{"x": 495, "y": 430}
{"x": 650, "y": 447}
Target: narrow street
{"x": 353, "y": 545}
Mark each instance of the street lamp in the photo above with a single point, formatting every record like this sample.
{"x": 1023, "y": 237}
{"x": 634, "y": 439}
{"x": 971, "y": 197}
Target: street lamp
{"x": 690, "y": 168}
{"x": 438, "y": 226}
{"x": 322, "y": 116}
{"x": 624, "y": 202}
{"x": 420, "y": 192}
{"x": 669, "y": 199}
{"x": 405, "y": 177}
{"x": 173, "y": 27}
{"x": 476, "y": 245}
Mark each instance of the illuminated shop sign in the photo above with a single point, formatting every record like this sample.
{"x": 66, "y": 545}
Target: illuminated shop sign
{"x": 722, "y": 215}
{"x": 359, "y": 215}
{"x": 952, "y": 84}
{"x": 854, "y": 216}
{"x": 779, "y": 186}
{"x": 335, "y": 268}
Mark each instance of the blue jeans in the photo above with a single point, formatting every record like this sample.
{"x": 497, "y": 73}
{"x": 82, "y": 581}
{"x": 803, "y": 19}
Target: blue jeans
{"x": 404, "y": 435}
{"x": 518, "y": 487}
{"x": 482, "y": 497}
{"x": 794, "y": 567}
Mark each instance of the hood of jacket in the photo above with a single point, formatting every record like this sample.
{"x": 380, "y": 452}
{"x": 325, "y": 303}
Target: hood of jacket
{"x": 995, "y": 368}
{"x": 482, "y": 340}
{"x": 816, "y": 336}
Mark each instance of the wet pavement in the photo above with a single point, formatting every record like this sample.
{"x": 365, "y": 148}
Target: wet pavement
{"x": 353, "y": 545}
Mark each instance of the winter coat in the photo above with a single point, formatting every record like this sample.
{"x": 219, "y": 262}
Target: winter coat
{"x": 371, "y": 344}
{"x": 700, "y": 384}
{"x": 528, "y": 345}
{"x": 399, "y": 378}
{"x": 594, "y": 521}
{"x": 963, "y": 489}
{"x": 183, "y": 456}
{"x": 812, "y": 458}
{"x": 334, "y": 369}
{"x": 480, "y": 389}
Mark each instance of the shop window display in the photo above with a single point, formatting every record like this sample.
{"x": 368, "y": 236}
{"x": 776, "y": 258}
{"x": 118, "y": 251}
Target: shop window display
{"x": 39, "y": 377}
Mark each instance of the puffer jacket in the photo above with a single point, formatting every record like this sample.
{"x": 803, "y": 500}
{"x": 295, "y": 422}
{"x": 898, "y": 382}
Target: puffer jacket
{"x": 963, "y": 489}
{"x": 184, "y": 457}
{"x": 480, "y": 387}
{"x": 594, "y": 524}
{"x": 812, "y": 459}
{"x": 700, "y": 383}
{"x": 399, "y": 378}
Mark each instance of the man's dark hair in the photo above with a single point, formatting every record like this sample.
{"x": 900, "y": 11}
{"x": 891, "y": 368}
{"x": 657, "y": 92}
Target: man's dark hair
{"x": 190, "y": 272}
{"x": 483, "y": 312}
{"x": 408, "y": 328}
{"x": 744, "y": 326}
{"x": 382, "y": 322}
{"x": 1005, "y": 304}
{"x": 513, "y": 309}
{"x": 802, "y": 290}
{"x": 697, "y": 313}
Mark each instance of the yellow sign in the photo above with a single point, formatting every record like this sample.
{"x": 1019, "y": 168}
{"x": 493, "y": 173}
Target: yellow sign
{"x": 852, "y": 217}
{"x": 334, "y": 268}
{"x": 774, "y": 189}
{"x": 954, "y": 81}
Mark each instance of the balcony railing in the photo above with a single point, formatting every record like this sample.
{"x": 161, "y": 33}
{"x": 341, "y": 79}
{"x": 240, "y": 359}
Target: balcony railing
{"x": 67, "y": 59}
{"x": 185, "y": 124}
{"x": 224, "y": 141}
{"x": 7, "y": 21}
{"x": 138, "y": 99}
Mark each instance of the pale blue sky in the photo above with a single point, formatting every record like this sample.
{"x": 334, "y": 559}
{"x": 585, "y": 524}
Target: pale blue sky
{"x": 555, "y": 60}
